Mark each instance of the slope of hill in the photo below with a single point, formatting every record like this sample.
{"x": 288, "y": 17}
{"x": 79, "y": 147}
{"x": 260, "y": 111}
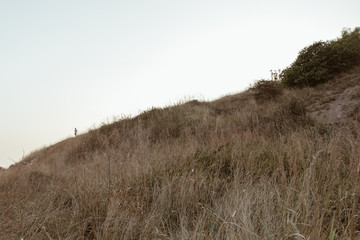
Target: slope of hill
{"x": 246, "y": 166}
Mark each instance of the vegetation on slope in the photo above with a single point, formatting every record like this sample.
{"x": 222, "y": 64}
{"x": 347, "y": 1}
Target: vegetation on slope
{"x": 235, "y": 168}
{"x": 249, "y": 166}
{"x": 321, "y": 61}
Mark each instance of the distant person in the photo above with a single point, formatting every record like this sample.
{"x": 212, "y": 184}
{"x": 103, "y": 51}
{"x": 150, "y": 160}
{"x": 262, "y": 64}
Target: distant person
{"x": 75, "y": 132}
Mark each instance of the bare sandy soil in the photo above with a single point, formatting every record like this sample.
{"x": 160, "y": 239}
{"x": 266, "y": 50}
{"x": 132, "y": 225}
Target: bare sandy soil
{"x": 338, "y": 101}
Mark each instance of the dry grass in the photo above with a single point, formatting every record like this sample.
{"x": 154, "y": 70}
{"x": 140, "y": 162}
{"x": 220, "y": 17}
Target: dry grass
{"x": 234, "y": 168}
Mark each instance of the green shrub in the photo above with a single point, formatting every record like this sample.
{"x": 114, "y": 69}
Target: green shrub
{"x": 319, "y": 62}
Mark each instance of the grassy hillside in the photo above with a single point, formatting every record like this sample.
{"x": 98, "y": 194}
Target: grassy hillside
{"x": 255, "y": 165}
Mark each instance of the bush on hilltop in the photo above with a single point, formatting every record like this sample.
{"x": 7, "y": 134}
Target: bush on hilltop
{"x": 321, "y": 61}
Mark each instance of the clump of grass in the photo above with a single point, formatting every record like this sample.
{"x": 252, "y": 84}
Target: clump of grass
{"x": 267, "y": 90}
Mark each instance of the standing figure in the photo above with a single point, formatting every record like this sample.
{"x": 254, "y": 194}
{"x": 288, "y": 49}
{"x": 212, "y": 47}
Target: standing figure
{"x": 75, "y": 132}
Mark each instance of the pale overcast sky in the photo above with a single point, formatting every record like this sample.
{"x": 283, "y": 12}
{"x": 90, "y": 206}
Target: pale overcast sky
{"x": 67, "y": 64}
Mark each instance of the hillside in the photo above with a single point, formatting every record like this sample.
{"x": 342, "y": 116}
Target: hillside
{"x": 260, "y": 164}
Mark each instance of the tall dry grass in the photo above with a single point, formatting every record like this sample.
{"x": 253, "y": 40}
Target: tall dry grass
{"x": 234, "y": 168}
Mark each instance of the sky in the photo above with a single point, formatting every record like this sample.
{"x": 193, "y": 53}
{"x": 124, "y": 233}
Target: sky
{"x": 82, "y": 63}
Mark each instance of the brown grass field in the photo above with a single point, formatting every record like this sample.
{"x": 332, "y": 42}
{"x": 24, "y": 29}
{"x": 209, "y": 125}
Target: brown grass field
{"x": 263, "y": 164}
